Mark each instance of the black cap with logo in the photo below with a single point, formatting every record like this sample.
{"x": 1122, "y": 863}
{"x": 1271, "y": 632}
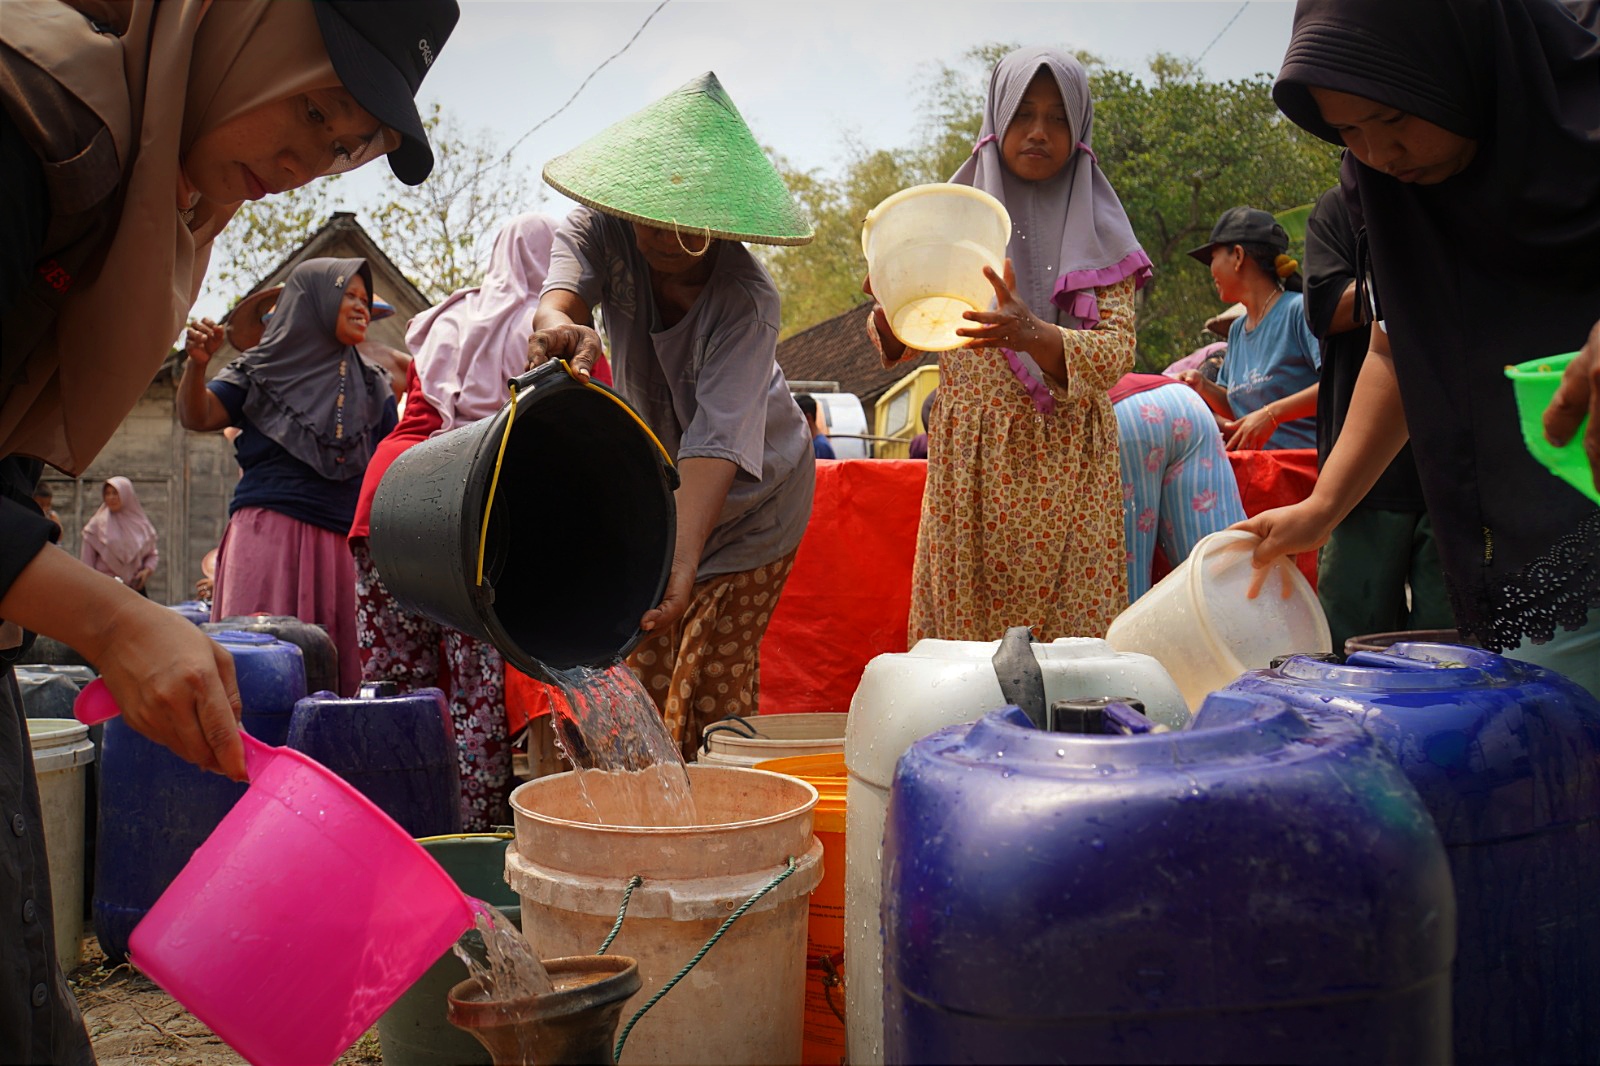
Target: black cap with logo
{"x": 381, "y": 50}
{"x": 1244, "y": 225}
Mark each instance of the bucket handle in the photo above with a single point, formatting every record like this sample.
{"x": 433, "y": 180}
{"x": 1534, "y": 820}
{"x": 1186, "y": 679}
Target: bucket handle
{"x": 531, "y": 378}
{"x": 730, "y": 723}
{"x": 1021, "y": 679}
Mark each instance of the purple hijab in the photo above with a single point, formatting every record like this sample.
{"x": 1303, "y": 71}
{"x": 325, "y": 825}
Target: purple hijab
{"x": 1070, "y": 235}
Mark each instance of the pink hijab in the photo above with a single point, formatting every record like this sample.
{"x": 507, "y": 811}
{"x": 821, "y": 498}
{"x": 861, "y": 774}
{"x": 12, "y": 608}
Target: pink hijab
{"x": 470, "y": 345}
{"x": 123, "y": 540}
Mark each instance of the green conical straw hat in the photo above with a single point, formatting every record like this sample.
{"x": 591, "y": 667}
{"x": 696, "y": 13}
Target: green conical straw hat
{"x": 688, "y": 160}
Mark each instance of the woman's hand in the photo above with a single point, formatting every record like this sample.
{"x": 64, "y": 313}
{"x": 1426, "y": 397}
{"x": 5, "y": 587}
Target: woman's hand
{"x": 1578, "y": 397}
{"x": 140, "y": 577}
{"x": 1252, "y": 431}
{"x": 1300, "y": 527}
{"x": 579, "y": 345}
{"x": 1011, "y": 324}
{"x": 201, "y": 341}
{"x": 680, "y": 591}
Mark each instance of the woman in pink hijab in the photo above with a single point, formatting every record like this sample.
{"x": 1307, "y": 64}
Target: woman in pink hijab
{"x": 464, "y": 352}
{"x": 119, "y": 540}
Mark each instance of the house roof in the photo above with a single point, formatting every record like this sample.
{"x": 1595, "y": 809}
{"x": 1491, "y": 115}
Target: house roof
{"x": 838, "y": 350}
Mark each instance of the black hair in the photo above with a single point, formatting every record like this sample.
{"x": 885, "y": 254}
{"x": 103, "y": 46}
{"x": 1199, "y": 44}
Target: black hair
{"x": 1267, "y": 256}
{"x": 807, "y": 404}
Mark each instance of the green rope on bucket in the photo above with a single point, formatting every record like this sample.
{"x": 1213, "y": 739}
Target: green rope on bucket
{"x": 494, "y": 482}
{"x": 681, "y": 974}
{"x": 633, "y": 882}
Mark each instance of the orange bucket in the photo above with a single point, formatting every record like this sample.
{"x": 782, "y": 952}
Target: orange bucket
{"x": 823, "y": 1042}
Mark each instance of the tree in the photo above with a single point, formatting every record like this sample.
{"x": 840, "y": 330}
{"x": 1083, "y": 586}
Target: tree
{"x": 1178, "y": 150}
{"x": 439, "y": 232}
{"x": 264, "y": 232}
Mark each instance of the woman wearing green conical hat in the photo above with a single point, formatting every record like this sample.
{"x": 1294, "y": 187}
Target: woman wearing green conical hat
{"x": 670, "y": 194}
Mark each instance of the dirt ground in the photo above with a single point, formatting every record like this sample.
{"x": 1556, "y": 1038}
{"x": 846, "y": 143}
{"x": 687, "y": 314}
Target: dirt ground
{"x": 132, "y": 1022}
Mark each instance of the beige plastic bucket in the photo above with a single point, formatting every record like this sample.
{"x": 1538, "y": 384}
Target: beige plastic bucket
{"x": 780, "y": 736}
{"x": 745, "y": 1001}
{"x": 926, "y": 248}
{"x": 62, "y": 752}
{"x": 1198, "y": 623}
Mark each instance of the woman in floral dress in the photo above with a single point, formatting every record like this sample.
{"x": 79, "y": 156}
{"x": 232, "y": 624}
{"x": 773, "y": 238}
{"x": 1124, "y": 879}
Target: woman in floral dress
{"x": 1022, "y": 514}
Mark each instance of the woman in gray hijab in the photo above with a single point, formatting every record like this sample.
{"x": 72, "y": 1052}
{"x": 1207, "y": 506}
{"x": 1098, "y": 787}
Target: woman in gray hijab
{"x": 310, "y": 411}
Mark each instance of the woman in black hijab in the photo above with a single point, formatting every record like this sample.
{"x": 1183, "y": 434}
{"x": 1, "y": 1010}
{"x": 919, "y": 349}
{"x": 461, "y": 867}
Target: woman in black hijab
{"x": 1473, "y": 129}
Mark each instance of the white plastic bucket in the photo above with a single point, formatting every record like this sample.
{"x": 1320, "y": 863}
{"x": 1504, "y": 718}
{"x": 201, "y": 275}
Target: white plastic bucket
{"x": 926, "y": 248}
{"x": 745, "y": 1000}
{"x": 62, "y": 751}
{"x": 1198, "y": 623}
{"x": 778, "y": 736}
{"x": 902, "y": 698}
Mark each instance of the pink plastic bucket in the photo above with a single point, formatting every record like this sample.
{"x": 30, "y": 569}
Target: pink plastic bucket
{"x": 301, "y": 919}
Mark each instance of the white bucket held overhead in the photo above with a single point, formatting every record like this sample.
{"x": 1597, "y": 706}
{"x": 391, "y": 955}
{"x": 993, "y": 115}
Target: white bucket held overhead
{"x": 745, "y": 1000}
{"x": 62, "y": 752}
{"x": 747, "y": 741}
{"x": 1198, "y": 622}
{"x": 926, "y": 248}
{"x": 901, "y": 699}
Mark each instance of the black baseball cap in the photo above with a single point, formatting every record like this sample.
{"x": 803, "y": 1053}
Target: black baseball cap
{"x": 1244, "y": 225}
{"x": 381, "y": 50}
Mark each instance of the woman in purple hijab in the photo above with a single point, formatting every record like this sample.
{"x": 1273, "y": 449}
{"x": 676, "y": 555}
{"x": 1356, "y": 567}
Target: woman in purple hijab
{"x": 1022, "y": 514}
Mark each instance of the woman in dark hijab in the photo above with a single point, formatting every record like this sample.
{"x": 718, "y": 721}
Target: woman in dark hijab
{"x": 1473, "y": 172}
{"x": 311, "y": 411}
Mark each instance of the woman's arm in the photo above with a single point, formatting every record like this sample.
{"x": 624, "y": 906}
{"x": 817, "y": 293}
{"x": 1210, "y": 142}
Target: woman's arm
{"x": 1215, "y": 396}
{"x": 703, "y": 484}
{"x": 1255, "y": 429}
{"x": 563, "y": 328}
{"x": 89, "y": 555}
{"x": 198, "y": 409}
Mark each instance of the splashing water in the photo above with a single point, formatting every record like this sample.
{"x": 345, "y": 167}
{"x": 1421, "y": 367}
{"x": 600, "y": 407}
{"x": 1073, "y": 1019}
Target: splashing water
{"x": 629, "y": 768}
{"x": 500, "y": 957}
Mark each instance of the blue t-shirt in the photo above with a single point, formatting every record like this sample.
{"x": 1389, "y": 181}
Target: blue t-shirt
{"x": 823, "y": 447}
{"x": 1276, "y": 359}
{"x": 277, "y": 481}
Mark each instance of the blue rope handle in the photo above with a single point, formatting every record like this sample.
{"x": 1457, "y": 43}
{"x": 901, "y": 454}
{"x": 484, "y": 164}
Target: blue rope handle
{"x": 709, "y": 944}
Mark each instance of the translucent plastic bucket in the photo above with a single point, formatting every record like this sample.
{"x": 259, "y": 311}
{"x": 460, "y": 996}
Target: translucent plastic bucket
{"x": 926, "y": 248}
{"x": 1534, "y": 385}
{"x": 751, "y": 741}
{"x": 304, "y": 915}
{"x": 1198, "y": 623}
{"x": 62, "y": 752}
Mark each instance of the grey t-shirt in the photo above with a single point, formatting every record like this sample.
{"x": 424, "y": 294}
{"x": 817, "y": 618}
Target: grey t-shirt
{"x": 708, "y": 386}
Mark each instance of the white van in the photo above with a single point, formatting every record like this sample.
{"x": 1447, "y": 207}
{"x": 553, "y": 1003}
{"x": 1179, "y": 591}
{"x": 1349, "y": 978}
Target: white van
{"x": 844, "y": 423}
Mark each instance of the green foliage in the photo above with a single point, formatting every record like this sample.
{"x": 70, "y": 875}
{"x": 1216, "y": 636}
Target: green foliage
{"x": 264, "y": 232}
{"x": 1178, "y": 150}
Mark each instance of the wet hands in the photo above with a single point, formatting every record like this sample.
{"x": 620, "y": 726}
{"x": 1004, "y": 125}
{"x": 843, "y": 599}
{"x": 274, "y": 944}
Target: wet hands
{"x": 201, "y": 340}
{"x": 1284, "y": 531}
{"x": 1578, "y": 397}
{"x": 680, "y": 591}
{"x": 1011, "y": 324}
{"x": 579, "y": 345}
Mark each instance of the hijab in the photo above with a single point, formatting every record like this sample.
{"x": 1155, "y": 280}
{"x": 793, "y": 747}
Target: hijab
{"x": 1069, "y": 234}
{"x": 304, "y": 388}
{"x": 180, "y": 68}
{"x": 470, "y": 345}
{"x": 1498, "y": 264}
{"x": 125, "y": 538}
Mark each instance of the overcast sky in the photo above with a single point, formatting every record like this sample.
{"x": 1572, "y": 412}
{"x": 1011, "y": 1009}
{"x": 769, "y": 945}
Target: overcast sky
{"x": 804, "y": 74}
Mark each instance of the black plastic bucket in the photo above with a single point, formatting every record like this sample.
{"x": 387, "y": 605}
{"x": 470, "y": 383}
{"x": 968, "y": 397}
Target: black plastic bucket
{"x": 580, "y": 531}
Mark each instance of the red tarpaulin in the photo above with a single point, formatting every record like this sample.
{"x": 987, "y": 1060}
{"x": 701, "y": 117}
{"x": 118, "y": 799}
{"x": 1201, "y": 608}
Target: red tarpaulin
{"x": 848, "y": 596}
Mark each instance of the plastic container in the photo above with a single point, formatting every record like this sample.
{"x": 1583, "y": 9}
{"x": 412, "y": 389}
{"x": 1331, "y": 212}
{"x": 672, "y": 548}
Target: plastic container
{"x": 49, "y": 691}
{"x": 196, "y": 611}
{"x": 1267, "y": 889}
{"x": 904, "y": 697}
{"x": 397, "y": 749}
{"x": 1534, "y": 385}
{"x": 156, "y": 809}
{"x": 303, "y": 916}
{"x": 316, "y": 647}
{"x": 823, "y": 1043}
{"x": 744, "y": 1002}
{"x": 926, "y": 248}
{"x": 414, "y": 1032}
{"x": 62, "y": 752}
{"x": 1199, "y": 624}
{"x": 576, "y": 1022}
{"x": 1383, "y": 641}
{"x": 436, "y": 530}
{"x": 749, "y": 741}
{"x": 1506, "y": 756}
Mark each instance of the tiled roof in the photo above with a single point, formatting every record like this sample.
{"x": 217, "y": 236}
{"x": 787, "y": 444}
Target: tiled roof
{"x": 838, "y": 350}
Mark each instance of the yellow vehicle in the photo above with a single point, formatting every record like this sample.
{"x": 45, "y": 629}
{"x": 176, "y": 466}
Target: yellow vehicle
{"x": 898, "y": 412}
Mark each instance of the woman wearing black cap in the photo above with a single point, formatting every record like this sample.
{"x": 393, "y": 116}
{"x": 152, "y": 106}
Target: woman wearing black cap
{"x": 129, "y": 134}
{"x": 1266, "y": 393}
{"x": 1473, "y": 129}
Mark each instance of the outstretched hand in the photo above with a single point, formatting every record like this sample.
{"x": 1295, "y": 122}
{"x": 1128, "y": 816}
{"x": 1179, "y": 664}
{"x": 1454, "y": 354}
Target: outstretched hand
{"x": 579, "y": 345}
{"x": 1011, "y": 324}
{"x": 201, "y": 341}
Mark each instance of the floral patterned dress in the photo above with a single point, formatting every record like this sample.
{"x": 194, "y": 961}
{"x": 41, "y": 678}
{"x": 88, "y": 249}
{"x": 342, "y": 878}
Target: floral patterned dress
{"x": 1022, "y": 514}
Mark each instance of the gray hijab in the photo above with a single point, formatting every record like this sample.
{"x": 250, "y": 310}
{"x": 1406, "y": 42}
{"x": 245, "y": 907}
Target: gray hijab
{"x": 292, "y": 379}
{"x": 1069, "y": 234}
